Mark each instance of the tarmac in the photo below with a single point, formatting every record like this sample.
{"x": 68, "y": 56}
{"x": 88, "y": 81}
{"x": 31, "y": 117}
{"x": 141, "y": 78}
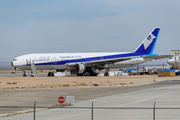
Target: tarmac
{"x": 127, "y": 103}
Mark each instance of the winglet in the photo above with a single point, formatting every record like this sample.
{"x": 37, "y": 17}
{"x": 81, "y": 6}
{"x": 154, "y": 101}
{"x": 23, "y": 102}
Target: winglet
{"x": 148, "y": 44}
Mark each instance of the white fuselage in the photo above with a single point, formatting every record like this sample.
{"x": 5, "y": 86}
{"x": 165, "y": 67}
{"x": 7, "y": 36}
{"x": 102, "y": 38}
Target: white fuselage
{"x": 23, "y": 62}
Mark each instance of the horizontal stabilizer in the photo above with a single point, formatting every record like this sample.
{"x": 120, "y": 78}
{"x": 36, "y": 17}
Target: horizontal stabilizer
{"x": 156, "y": 57}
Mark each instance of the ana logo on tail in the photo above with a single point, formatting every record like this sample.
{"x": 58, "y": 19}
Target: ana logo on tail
{"x": 148, "y": 44}
{"x": 148, "y": 41}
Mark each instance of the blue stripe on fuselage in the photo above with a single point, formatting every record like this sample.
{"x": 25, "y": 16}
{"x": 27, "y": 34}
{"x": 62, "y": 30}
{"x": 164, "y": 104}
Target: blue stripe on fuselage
{"x": 63, "y": 62}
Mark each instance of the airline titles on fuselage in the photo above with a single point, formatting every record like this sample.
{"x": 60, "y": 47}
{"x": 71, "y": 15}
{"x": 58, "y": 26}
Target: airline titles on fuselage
{"x": 70, "y": 56}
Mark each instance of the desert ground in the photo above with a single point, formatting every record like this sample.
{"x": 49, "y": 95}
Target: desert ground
{"x": 9, "y": 83}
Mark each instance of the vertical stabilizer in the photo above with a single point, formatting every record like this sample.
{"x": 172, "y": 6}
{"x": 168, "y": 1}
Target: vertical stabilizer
{"x": 148, "y": 44}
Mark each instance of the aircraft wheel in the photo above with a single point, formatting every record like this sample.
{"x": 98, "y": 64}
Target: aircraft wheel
{"x": 50, "y": 74}
{"x": 32, "y": 75}
{"x": 24, "y": 75}
{"x": 82, "y": 74}
{"x": 106, "y": 74}
{"x": 94, "y": 74}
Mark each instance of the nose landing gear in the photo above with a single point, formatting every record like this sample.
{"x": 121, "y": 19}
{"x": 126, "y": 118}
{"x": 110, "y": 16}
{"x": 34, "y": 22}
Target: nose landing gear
{"x": 24, "y": 75}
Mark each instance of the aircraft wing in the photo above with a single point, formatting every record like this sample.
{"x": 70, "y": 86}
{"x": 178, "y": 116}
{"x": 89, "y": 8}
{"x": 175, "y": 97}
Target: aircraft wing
{"x": 156, "y": 57}
{"x": 100, "y": 62}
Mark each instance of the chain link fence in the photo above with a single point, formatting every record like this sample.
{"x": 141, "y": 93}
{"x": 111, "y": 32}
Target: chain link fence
{"x": 94, "y": 110}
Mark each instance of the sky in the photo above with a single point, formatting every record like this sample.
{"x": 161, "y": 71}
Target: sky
{"x": 58, "y": 26}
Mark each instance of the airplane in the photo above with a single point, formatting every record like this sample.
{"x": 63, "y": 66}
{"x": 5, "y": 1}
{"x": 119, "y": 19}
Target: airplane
{"x": 174, "y": 62}
{"x": 80, "y": 63}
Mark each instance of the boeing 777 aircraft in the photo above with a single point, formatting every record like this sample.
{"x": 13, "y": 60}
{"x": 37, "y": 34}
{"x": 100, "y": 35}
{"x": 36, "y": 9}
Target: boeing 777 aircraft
{"x": 79, "y": 63}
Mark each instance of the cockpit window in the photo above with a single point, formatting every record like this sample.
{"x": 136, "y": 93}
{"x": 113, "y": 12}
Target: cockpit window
{"x": 171, "y": 58}
{"x": 14, "y": 59}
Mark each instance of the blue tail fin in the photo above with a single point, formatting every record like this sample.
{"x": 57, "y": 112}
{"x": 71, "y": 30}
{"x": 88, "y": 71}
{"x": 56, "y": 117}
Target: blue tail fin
{"x": 148, "y": 44}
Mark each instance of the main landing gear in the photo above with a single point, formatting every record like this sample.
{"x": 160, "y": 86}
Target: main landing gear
{"x": 51, "y": 74}
{"x": 24, "y": 75}
{"x": 88, "y": 72}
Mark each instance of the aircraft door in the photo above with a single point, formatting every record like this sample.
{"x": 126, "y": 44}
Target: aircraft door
{"x": 28, "y": 61}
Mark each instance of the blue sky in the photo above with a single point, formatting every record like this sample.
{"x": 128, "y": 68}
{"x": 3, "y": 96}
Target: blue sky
{"x": 55, "y": 26}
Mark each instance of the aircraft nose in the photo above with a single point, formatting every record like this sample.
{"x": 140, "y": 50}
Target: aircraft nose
{"x": 170, "y": 62}
{"x": 12, "y": 63}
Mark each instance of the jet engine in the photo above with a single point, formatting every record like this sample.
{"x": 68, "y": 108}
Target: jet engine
{"x": 81, "y": 68}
